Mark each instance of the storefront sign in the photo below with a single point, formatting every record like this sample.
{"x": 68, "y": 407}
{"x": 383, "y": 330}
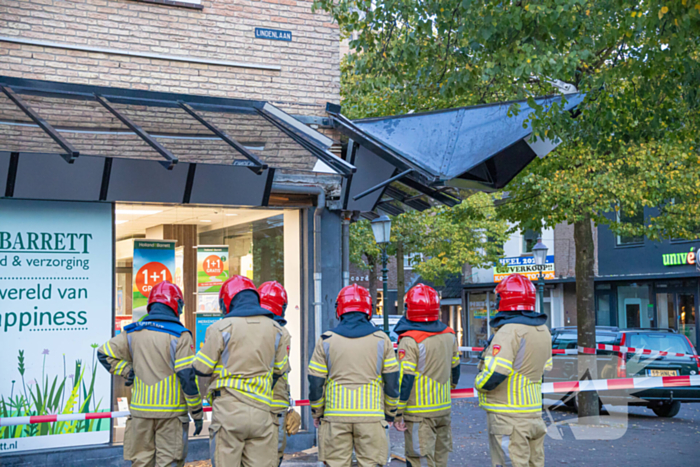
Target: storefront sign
{"x": 212, "y": 268}
{"x": 154, "y": 262}
{"x": 273, "y": 34}
{"x": 202, "y": 323}
{"x": 524, "y": 265}
{"x": 680, "y": 259}
{"x": 56, "y": 308}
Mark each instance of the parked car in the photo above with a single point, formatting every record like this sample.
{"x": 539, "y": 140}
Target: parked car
{"x": 378, "y": 321}
{"x": 665, "y": 402}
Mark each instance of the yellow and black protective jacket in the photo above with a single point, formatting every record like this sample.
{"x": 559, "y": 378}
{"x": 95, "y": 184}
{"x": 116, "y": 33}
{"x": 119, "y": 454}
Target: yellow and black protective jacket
{"x": 244, "y": 353}
{"x": 353, "y": 373}
{"x": 156, "y": 354}
{"x": 510, "y": 376}
{"x": 429, "y": 370}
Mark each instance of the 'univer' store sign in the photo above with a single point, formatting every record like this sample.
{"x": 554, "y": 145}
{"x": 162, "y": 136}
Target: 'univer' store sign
{"x": 56, "y": 278}
{"x": 687, "y": 258}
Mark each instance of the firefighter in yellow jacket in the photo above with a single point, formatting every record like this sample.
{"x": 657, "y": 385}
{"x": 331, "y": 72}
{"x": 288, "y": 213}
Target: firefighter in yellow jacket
{"x": 245, "y": 354}
{"x": 510, "y": 376}
{"x": 155, "y": 355}
{"x": 430, "y": 367}
{"x": 353, "y": 385}
{"x": 273, "y": 297}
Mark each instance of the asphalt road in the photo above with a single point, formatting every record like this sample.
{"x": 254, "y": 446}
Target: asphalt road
{"x": 625, "y": 438}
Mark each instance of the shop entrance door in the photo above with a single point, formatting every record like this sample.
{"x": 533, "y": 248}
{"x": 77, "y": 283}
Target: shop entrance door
{"x": 677, "y": 312}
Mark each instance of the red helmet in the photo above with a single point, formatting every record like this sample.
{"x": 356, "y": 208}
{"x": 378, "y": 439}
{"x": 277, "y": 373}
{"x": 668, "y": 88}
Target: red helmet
{"x": 273, "y": 297}
{"x": 516, "y": 293}
{"x": 353, "y": 298}
{"x": 168, "y": 294}
{"x": 232, "y": 287}
{"x": 422, "y": 304}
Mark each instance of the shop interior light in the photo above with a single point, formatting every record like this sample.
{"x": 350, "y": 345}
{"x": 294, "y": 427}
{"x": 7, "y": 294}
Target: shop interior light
{"x": 231, "y": 214}
{"x": 204, "y": 220}
{"x": 120, "y": 221}
{"x": 137, "y": 212}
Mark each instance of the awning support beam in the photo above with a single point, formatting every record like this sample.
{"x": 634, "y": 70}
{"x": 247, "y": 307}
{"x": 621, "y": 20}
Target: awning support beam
{"x": 171, "y": 160}
{"x": 435, "y": 194}
{"x": 383, "y": 184}
{"x": 257, "y": 165}
{"x": 72, "y": 153}
{"x": 328, "y": 159}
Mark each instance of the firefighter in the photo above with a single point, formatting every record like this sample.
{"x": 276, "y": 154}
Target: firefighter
{"x": 430, "y": 367}
{"x": 273, "y": 297}
{"x": 509, "y": 381}
{"x": 155, "y": 355}
{"x": 353, "y": 385}
{"x": 245, "y": 356}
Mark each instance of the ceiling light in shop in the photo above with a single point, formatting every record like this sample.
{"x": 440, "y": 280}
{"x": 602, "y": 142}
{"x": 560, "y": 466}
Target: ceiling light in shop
{"x": 138, "y": 212}
{"x": 231, "y": 214}
{"x": 120, "y": 222}
{"x": 204, "y": 220}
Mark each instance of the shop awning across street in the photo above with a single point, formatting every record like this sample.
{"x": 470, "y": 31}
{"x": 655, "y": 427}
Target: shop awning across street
{"x": 88, "y": 143}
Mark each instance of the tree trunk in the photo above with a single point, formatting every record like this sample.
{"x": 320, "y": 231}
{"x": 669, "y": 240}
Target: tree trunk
{"x": 588, "y": 412}
{"x": 372, "y": 262}
{"x": 400, "y": 279}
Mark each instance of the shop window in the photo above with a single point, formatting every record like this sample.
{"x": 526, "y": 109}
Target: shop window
{"x": 633, "y": 305}
{"x": 529, "y": 240}
{"x": 635, "y": 218}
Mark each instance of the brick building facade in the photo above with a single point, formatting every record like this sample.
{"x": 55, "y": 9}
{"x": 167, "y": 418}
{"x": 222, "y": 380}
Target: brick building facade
{"x": 157, "y": 46}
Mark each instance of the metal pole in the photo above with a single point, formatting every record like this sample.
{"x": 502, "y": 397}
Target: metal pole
{"x": 385, "y": 292}
{"x": 540, "y": 291}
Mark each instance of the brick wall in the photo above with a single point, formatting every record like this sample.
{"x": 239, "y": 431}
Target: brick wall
{"x": 223, "y": 30}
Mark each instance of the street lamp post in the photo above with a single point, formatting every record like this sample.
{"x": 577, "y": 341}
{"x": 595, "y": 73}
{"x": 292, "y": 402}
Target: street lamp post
{"x": 539, "y": 251}
{"x": 381, "y": 228}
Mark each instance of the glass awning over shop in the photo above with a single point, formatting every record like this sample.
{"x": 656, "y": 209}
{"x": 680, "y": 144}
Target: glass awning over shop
{"x": 73, "y": 142}
{"x": 428, "y": 154}
{"x": 73, "y": 120}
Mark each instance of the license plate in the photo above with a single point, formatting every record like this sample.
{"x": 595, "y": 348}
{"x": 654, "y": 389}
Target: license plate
{"x": 662, "y": 372}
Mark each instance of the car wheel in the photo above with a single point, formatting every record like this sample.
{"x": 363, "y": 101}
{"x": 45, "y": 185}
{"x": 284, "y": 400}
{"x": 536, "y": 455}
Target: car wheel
{"x": 667, "y": 410}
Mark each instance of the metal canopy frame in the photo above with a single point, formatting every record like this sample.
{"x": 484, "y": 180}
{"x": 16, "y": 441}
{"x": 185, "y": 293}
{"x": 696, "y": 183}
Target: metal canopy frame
{"x": 72, "y": 153}
{"x": 309, "y": 139}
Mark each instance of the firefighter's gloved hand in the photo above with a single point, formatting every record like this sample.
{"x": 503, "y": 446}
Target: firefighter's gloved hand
{"x": 129, "y": 379}
{"x": 198, "y": 424}
{"x": 292, "y": 422}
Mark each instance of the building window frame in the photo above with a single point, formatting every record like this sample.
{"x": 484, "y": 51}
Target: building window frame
{"x": 633, "y": 242}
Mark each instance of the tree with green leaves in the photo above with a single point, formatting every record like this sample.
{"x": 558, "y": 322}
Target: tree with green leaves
{"x": 631, "y": 144}
{"x": 447, "y": 238}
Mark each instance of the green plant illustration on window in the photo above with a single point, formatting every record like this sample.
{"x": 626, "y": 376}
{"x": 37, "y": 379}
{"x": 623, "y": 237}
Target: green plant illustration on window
{"x": 64, "y": 394}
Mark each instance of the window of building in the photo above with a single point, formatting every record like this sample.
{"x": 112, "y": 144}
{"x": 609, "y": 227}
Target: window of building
{"x": 636, "y": 218}
{"x": 210, "y": 244}
{"x": 410, "y": 260}
{"x": 529, "y": 240}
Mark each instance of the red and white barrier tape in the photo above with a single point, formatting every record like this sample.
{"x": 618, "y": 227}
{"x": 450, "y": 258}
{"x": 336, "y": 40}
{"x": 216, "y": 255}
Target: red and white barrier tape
{"x": 547, "y": 388}
{"x": 590, "y": 351}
